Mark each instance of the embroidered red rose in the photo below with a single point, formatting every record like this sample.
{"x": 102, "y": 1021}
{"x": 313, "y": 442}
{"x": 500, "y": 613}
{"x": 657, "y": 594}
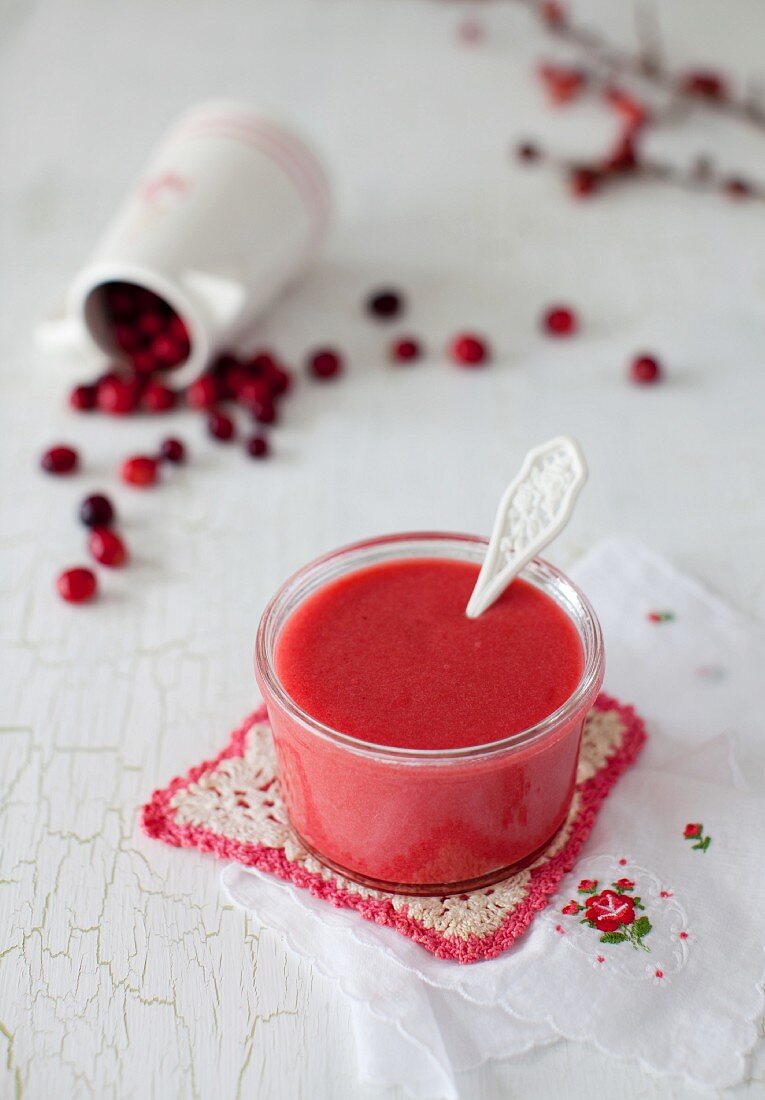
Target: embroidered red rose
{"x": 624, "y": 884}
{"x": 587, "y": 885}
{"x": 692, "y": 830}
{"x": 607, "y": 910}
{"x": 571, "y": 909}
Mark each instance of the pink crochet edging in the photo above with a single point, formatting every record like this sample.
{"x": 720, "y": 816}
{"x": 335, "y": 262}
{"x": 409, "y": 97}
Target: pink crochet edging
{"x": 158, "y": 821}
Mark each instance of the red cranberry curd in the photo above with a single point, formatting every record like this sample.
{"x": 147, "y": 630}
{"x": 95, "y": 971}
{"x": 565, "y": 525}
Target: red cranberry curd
{"x": 386, "y": 654}
{"x": 419, "y": 750}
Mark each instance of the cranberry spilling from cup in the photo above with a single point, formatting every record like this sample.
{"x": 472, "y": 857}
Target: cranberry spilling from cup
{"x": 144, "y": 328}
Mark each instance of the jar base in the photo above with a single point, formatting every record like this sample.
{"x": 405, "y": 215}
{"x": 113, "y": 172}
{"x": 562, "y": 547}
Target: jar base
{"x": 432, "y": 889}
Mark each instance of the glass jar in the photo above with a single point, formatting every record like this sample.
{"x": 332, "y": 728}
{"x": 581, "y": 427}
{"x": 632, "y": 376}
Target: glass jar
{"x": 425, "y": 821}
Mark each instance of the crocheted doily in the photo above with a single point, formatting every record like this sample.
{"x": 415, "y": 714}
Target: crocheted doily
{"x": 232, "y": 806}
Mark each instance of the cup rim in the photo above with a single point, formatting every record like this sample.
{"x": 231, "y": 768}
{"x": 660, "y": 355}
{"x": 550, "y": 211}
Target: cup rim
{"x": 537, "y": 571}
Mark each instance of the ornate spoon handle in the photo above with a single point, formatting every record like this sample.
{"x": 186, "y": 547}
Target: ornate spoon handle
{"x": 535, "y": 507}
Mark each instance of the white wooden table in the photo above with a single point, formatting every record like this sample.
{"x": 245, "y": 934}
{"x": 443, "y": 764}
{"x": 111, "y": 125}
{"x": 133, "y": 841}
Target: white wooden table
{"x": 121, "y": 972}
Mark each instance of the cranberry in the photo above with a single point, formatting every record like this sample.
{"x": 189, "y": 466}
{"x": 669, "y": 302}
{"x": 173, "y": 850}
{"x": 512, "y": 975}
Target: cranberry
{"x": 220, "y": 426}
{"x": 700, "y": 82}
{"x": 405, "y": 350}
{"x": 560, "y": 321}
{"x": 178, "y": 332}
{"x": 527, "y": 150}
{"x": 150, "y": 324}
{"x": 60, "y": 460}
{"x": 325, "y": 363}
{"x": 172, "y": 450}
{"x": 76, "y": 585}
{"x": 623, "y": 158}
{"x": 167, "y": 352}
{"x": 158, "y": 398}
{"x": 253, "y": 391}
{"x": 106, "y": 547}
{"x": 263, "y": 361}
{"x": 633, "y": 112}
{"x": 203, "y": 393}
{"x": 264, "y": 411}
{"x": 583, "y": 181}
{"x": 118, "y": 396}
{"x": 143, "y": 362}
{"x": 126, "y": 337}
{"x": 257, "y": 447}
{"x": 83, "y": 398}
{"x": 553, "y": 13}
{"x": 738, "y": 188}
{"x": 384, "y": 304}
{"x": 140, "y": 471}
{"x": 644, "y": 370}
{"x": 120, "y": 301}
{"x": 97, "y": 511}
{"x": 562, "y": 84}
{"x": 469, "y": 350}
{"x": 280, "y": 380}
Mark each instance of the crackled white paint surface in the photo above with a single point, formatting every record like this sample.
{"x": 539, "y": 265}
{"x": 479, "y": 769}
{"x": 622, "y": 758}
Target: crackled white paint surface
{"x": 121, "y": 973}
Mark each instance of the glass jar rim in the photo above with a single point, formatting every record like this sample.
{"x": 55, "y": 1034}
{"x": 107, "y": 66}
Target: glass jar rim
{"x": 327, "y": 567}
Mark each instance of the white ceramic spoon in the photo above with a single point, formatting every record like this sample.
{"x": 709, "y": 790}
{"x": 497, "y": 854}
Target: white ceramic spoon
{"x": 534, "y": 509}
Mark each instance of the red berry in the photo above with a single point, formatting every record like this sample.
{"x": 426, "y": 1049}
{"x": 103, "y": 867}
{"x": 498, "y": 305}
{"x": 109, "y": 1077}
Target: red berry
{"x": 117, "y": 396}
{"x": 60, "y": 460}
{"x": 83, "y": 398}
{"x": 527, "y": 150}
{"x": 264, "y": 411}
{"x": 405, "y": 350}
{"x": 254, "y": 390}
{"x": 203, "y": 393}
{"x": 644, "y": 370}
{"x": 172, "y": 450}
{"x": 629, "y": 108}
{"x": 177, "y": 330}
{"x": 701, "y": 82}
{"x": 120, "y": 301}
{"x": 257, "y": 447}
{"x": 562, "y": 84}
{"x": 143, "y": 362}
{"x": 263, "y": 361}
{"x": 738, "y": 188}
{"x": 220, "y": 426}
{"x": 107, "y": 547}
{"x": 325, "y": 363}
{"x": 150, "y": 324}
{"x": 280, "y": 380}
{"x": 469, "y": 350}
{"x": 126, "y": 337}
{"x": 560, "y": 321}
{"x": 384, "y": 304}
{"x": 583, "y": 181}
{"x": 76, "y": 585}
{"x": 139, "y": 470}
{"x": 553, "y": 13}
{"x": 157, "y": 398}
{"x": 624, "y": 157}
{"x": 167, "y": 351}
{"x": 97, "y": 511}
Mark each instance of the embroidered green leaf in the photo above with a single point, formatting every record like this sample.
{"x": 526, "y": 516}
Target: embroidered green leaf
{"x": 613, "y": 937}
{"x": 702, "y": 845}
{"x": 642, "y": 927}
{"x": 637, "y": 902}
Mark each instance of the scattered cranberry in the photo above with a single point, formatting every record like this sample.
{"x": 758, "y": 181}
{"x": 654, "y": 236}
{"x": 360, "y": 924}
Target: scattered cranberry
{"x": 562, "y": 84}
{"x": 583, "y": 181}
{"x": 257, "y": 447}
{"x": 623, "y": 158}
{"x": 262, "y": 362}
{"x": 220, "y": 426}
{"x": 738, "y": 188}
{"x": 118, "y": 396}
{"x": 203, "y": 393}
{"x": 469, "y": 350}
{"x": 76, "y": 585}
{"x": 644, "y": 370}
{"x": 139, "y": 470}
{"x": 60, "y": 460}
{"x": 280, "y": 380}
{"x": 83, "y": 398}
{"x": 325, "y": 363}
{"x": 254, "y": 391}
{"x": 634, "y": 113}
{"x": 143, "y": 362}
{"x": 384, "y": 304}
{"x": 106, "y": 547}
{"x": 707, "y": 84}
{"x": 97, "y": 511}
{"x": 157, "y": 397}
{"x": 527, "y": 150}
{"x": 405, "y": 350}
{"x": 560, "y": 321}
{"x": 553, "y": 13}
{"x": 167, "y": 352}
{"x": 172, "y": 450}
{"x": 264, "y": 411}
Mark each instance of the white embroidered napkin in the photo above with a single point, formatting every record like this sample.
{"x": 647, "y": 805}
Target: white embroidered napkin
{"x": 654, "y": 946}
